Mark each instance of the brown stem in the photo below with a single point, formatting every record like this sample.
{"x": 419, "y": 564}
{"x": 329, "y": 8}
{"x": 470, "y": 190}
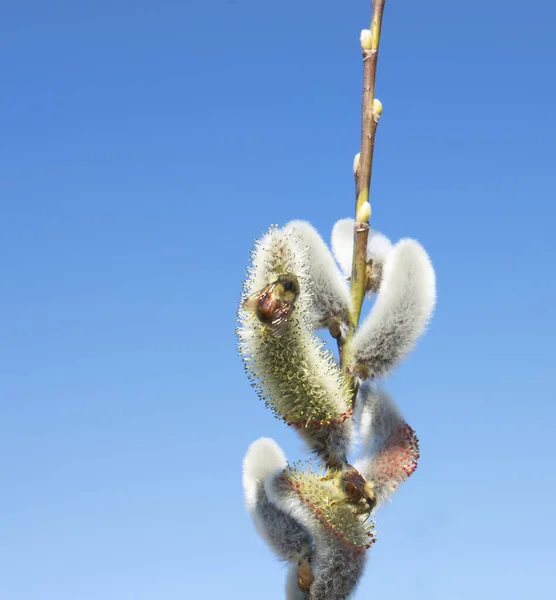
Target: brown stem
{"x": 370, "y": 115}
{"x": 359, "y": 269}
{"x": 369, "y": 118}
{"x": 369, "y": 121}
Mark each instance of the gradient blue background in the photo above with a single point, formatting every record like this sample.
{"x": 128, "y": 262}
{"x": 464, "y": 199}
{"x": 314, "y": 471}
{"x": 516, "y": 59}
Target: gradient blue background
{"x": 143, "y": 146}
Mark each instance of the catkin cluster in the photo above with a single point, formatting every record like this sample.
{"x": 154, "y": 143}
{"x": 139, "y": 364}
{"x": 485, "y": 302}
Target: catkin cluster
{"x": 321, "y": 519}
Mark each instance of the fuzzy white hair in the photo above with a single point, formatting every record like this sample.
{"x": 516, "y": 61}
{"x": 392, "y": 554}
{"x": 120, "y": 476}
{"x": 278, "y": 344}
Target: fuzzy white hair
{"x": 378, "y": 245}
{"x": 390, "y": 449}
{"x": 378, "y": 417}
{"x": 404, "y": 305}
{"x": 263, "y": 457}
{"x": 330, "y": 293}
{"x": 286, "y": 536}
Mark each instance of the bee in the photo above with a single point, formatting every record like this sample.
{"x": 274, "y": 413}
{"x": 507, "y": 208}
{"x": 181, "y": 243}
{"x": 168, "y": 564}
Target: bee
{"x": 274, "y": 304}
{"x": 358, "y": 489}
{"x": 373, "y": 276}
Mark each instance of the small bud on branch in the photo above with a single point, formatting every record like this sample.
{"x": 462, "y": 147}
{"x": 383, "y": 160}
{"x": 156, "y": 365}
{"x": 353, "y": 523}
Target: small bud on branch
{"x": 363, "y": 213}
{"x": 356, "y": 163}
{"x": 366, "y": 39}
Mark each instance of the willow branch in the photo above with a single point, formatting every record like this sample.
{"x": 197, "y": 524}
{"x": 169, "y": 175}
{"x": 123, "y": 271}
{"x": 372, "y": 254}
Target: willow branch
{"x": 370, "y": 114}
{"x": 371, "y": 109}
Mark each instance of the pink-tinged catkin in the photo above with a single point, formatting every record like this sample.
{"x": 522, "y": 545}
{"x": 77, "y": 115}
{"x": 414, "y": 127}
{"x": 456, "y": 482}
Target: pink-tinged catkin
{"x": 330, "y": 506}
{"x": 398, "y": 459}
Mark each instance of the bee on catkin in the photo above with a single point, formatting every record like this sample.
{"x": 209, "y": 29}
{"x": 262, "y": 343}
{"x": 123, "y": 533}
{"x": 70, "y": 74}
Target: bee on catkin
{"x": 273, "y": 304}
{"x": 358, "y": 489}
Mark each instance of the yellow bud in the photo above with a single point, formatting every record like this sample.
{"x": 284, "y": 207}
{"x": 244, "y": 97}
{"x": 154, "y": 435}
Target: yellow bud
{"x": 356, "y": 162}
{"x": 366, "y": 39}
{"x": 377, "y": 106}
{"x": 364, "y": 213}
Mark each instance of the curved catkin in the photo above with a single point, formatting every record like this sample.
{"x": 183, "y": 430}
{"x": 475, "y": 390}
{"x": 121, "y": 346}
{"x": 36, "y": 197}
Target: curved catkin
{"x": 401, "y": 312}
{"x": 330, "y": 505}
{"x": 286, "y": 536}
{"x": 389, "y": 445}
{"x": 296, "y": 376}
{"x": 341, "y": 535}
{"x": 336, "y": 572}
{"x": 378, "y": 417}
{"x": 329, "y": 290}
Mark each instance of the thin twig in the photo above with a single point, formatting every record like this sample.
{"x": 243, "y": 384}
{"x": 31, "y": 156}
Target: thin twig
{"x": 369, "y": 121}
{"x": 370, "y": 114}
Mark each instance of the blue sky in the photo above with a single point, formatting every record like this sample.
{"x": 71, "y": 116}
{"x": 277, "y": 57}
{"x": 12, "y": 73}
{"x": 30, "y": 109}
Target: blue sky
{"x": 144, "y": 145}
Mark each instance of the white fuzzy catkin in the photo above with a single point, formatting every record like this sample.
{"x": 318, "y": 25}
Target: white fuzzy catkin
{"x": 294, "y": 373}
{"x": 378, "y": 417}
{"x": 336, "y": 567}
{"x": 401, "y": 312}
{"x": 378, "y": 246}
{"x": 329, "y": 290}
{"x": 336, "y": 571}
{"x": 390, "y": 448}
{"x": 286, "y": 536}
